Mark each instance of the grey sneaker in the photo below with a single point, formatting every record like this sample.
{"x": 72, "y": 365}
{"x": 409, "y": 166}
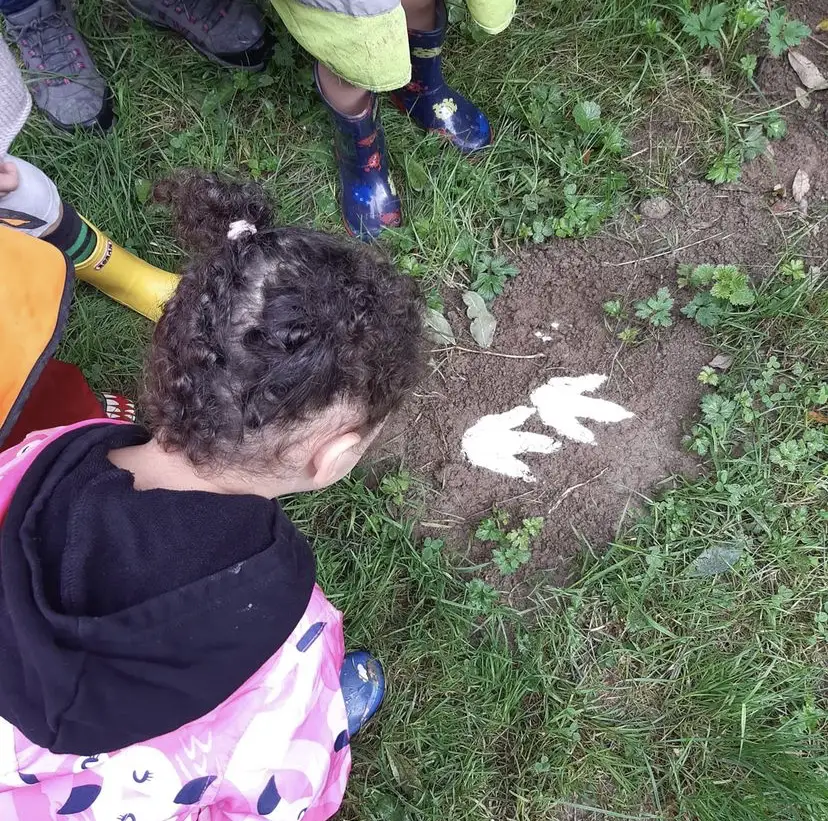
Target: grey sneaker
{"x": 69, "y": 88}
{"x": 229, "y": 32}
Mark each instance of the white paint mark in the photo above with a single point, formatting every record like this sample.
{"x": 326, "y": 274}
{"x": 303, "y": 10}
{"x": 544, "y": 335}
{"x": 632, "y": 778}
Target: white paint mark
{"x": 560, "y": 404}
{"x": 493, "y": 443}
{"x": 543, "y": 338}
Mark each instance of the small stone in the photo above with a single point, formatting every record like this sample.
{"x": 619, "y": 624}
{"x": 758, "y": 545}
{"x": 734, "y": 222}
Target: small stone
{"x": 801, "y": 186}
{"x": 721, "y": 362}
{"x": 655, "y": 208}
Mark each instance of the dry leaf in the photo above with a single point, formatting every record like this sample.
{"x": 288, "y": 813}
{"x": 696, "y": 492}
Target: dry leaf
{"x": 802, "y": 97}
{"x": 801, "y": 186}
{"x": 721, "y": 362}
{"x": 809, "y": 74}
{"x": 816, "y": 416}
{"x": 483, "y": 323}
{"x": 437, "y": 328}
{"x": 719, "y": 558}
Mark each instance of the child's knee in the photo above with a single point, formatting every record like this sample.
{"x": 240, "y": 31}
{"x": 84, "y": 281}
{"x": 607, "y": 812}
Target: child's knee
{"x": 34, "y": 204}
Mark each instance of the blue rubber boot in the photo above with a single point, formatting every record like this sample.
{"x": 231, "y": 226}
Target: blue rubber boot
{"x": 363, "y": 688}
{"x": 433, "y": 104}
{"x": 367, "y": 196}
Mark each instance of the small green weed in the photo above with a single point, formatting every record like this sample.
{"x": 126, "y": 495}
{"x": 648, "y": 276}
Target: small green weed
{"x": 726, "y": 168}
{"x": 728, "y": 288}
{"x": 491, "y": 275}
{"x": 432, "y": 548}
{"x": 629, "y": 336}
{"x": 613, "y": 308}
{"x": 587, "y": 116}
{"x": 775, "y": 126}
{"x": 793, "y": 269}
{"x": 482, "y": 596}
{"x": 656, "y": 310}
{"x": 726, "y": 27}
{"x": 395, "y": 487}
{"x": 748, "y": 64}
{"x": 705, "y": 26}
{"x": 513, "y": 546}
{"x": 784, "y": 33}
{"x": 748, "y": 141}
{"x": 708, "y": 376}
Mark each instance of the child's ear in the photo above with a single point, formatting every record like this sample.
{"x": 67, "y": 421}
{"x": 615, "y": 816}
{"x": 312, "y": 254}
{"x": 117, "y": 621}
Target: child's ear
{"x": 335, "y": 459}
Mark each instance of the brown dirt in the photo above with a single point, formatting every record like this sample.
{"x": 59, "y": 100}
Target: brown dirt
{"x": 585, "y": 491}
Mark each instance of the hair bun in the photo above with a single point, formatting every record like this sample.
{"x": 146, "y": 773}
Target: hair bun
{"x": 239, "y": 228}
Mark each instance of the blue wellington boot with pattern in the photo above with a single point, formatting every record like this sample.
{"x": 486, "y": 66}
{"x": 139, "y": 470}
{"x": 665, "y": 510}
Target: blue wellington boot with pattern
{"x": 433, "y": 104}
{"x": 367, "y": 196}
{"x": 363, "y": 688}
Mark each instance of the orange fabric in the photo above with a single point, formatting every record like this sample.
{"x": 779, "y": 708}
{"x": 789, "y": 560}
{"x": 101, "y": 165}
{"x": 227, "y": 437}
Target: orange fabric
{"x": 32, "y": 283}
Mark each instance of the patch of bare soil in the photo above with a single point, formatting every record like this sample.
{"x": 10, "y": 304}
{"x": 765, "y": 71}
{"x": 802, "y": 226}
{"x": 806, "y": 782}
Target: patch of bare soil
{"x": 551, "y": 324}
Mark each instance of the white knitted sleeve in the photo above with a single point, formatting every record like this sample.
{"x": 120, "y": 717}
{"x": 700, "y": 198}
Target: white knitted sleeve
{"x": 15, "y": 102}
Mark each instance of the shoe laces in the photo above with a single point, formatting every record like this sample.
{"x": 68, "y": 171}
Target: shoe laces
{"x": 35, "y": 39}
{"x": 207, "y": 12}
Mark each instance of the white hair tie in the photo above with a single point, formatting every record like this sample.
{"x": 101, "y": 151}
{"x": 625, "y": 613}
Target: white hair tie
{"x": 238, "y": 228}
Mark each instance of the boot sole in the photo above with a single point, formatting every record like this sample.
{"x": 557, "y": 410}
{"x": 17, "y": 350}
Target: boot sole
{"x": 267, "y": 44}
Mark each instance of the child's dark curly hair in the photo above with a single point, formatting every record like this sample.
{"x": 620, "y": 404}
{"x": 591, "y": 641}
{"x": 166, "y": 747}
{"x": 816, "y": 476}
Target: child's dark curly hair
{"x": 270, "y": 329}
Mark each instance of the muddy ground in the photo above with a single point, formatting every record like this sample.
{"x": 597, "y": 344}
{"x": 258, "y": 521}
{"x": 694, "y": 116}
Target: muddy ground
{"x": 551, "y": 324}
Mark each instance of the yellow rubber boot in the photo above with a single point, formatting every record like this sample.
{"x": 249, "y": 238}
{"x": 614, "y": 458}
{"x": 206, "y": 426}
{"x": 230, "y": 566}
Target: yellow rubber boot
{"x": 126, "y": 278}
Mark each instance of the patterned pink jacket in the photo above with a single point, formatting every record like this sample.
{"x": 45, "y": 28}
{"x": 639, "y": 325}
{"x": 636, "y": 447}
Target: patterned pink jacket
{"x": 276, "y": 749}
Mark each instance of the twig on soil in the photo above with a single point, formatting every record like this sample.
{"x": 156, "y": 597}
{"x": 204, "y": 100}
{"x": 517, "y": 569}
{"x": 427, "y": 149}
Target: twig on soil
{"x": 818, "y": 42}
{"x": 494, "y": 353}
{"x": 572, "y": 489}
{"x": 671, "y": 251}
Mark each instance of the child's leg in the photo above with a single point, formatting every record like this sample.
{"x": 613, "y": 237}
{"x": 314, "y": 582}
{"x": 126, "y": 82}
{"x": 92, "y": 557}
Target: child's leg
{"x": 61, "y": 396}
{"x": 420, "y": 14}
{"x": 349, "y": 99}
{"x": 363, "y": 687}
{"x": 368, "y": 199}
{"x": 344, "y": 97}
{"x": 32, "y": 204}
{"x": 35, "y": 206}
{"x": 428, "y": 99}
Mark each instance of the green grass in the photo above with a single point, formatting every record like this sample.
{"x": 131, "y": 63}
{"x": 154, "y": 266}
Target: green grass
{"x": 552, "y": 169}
{"x": 642, "y": 691}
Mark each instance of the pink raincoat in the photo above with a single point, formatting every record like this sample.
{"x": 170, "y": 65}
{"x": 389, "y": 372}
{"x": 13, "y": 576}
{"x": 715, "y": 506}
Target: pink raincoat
{"x": 277, "y": 748}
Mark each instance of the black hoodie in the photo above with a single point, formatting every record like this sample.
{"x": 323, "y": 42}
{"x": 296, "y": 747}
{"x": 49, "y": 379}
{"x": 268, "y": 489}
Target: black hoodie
{"x": 125, "y": 614}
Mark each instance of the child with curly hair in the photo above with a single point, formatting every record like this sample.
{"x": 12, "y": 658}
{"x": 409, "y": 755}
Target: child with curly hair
{"x": 166, "y": 651}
